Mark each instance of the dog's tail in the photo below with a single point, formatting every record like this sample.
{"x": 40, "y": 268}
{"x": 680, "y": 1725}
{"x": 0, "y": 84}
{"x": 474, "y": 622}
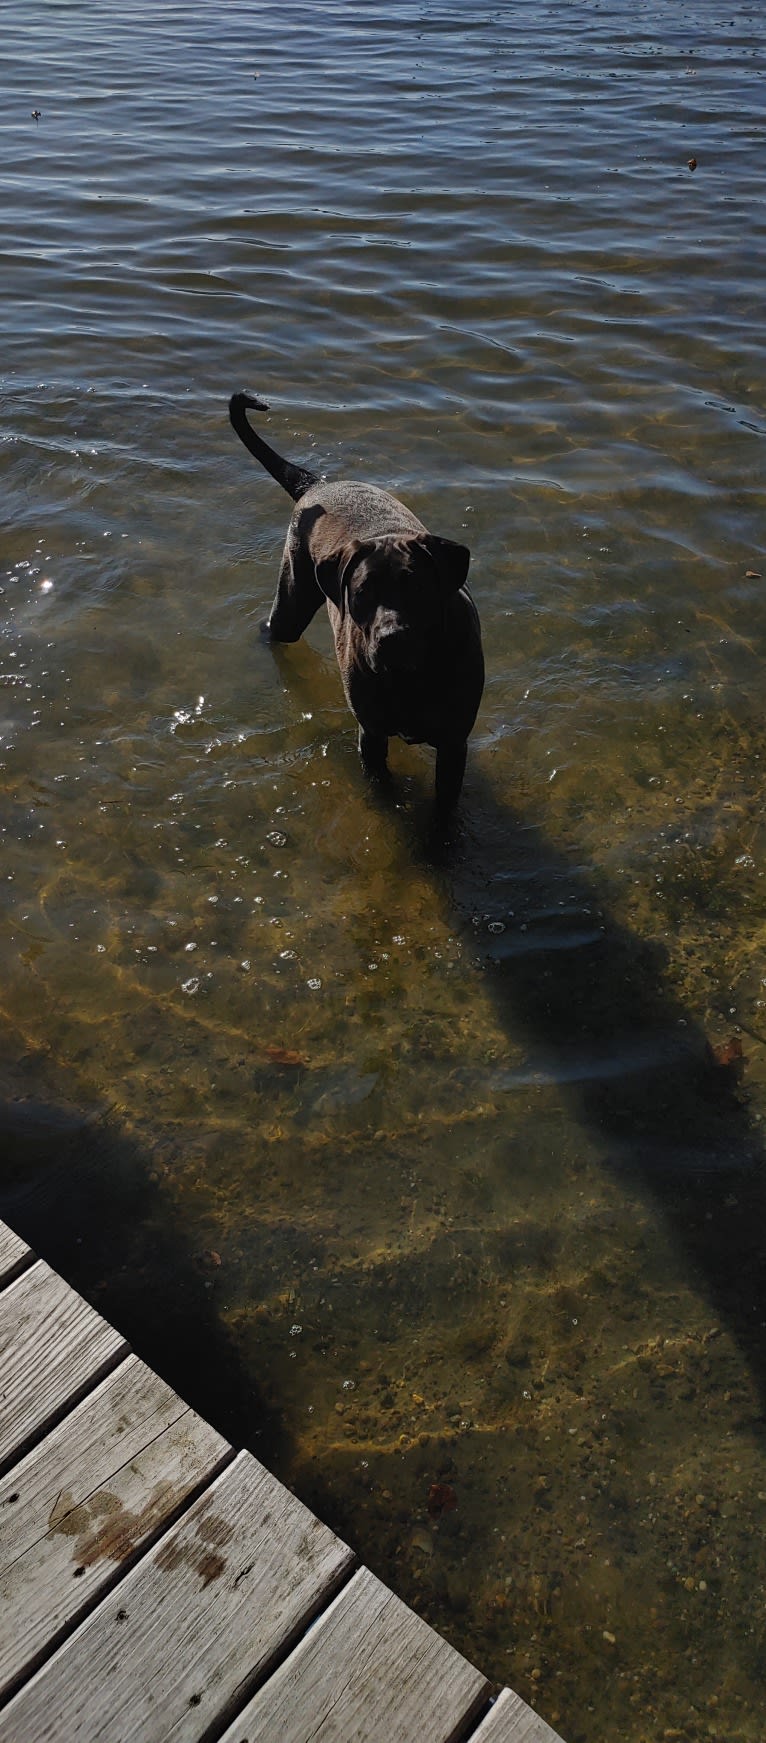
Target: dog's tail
{"x": 296, "y": 480}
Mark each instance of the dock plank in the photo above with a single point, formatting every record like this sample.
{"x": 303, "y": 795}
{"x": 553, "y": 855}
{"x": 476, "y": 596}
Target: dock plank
{"x": 179, "y": 1643}
{"x": 369, "y": 1671}
{"x": 153, "y": 1585}
{"x": 510, "y": 1720}
{"x": 52, "y": 1347}
{"x": 14, "y": 1253}
{"x": 85, "y": 1500}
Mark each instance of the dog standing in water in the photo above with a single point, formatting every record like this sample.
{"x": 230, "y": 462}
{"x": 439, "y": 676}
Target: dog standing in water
{"x": 406, "y": 629}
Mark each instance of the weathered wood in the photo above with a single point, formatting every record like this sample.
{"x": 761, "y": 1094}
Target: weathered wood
{"x": 510, "y": 1720}
{"x": 82, "y": 1503}
{"x": 53, "y": 1347}
{"x": 14, "y": 1254}
{"x": 369, "y": 1671}
{"x": 147, "y": 1625}
{"x": 176, "y": 1647}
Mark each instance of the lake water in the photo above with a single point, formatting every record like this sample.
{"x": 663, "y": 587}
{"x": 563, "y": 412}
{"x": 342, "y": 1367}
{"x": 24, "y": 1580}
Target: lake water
{"x": 437, "y": 1181}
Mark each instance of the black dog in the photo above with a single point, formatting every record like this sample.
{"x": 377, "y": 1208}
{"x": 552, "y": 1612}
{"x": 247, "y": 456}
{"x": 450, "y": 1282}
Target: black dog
{"x": 406, "y": 629}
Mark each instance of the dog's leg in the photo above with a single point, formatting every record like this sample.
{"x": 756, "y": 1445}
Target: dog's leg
{"x": 373, "y": 750}
{"x": 298, "y": 596}
{"x": 450, "y": 769}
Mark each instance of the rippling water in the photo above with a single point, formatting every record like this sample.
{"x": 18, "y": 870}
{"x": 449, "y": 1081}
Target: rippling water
{"x": 441, "y": 1184}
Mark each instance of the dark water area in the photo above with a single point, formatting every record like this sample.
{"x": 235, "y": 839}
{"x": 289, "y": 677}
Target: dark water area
{"x": 436, "y": 1180}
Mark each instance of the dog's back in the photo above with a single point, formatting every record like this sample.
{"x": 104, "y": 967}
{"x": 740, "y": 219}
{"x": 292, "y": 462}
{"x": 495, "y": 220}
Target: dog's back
{"x": 365, "y": 511}
{"x": 406, "y": 629}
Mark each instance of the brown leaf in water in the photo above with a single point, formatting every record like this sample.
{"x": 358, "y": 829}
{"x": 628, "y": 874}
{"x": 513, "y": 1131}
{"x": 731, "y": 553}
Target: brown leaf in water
{"x": 441, "y": 1499}
{"x": 692, "y": 163}
{"x": 209, "y": 1259}
{"x": 753, "y": 575}
{"x": 285, "y": 1056}
{"x": 727, "y": 1053}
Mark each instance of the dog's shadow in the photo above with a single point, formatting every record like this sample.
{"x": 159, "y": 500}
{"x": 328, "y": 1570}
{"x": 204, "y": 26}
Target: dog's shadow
{"x": 595, "y": 1007}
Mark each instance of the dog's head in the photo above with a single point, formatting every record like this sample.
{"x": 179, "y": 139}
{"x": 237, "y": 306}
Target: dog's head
{"x": 395, "y": 590}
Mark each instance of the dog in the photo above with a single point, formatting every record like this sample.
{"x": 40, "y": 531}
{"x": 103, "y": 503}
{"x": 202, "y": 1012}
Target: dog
{"x": 406, "y": 629}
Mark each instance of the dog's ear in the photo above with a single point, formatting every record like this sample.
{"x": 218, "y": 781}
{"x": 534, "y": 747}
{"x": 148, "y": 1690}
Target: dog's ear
{"x": 451, "y": 560}
{"x": 332, "y": 551}
{"x": 329, "y": 574}
{"x": 333, "y": 572}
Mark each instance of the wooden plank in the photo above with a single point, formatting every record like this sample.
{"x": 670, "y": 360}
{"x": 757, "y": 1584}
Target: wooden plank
{"x": 14, "y": 1254}
{"x": 510, "y": 1720}
{"x": 52, "y": 1347}
{"x": 179, "y": 1643}
{"x": 369, "y": 1671}
{"x": 83, "y": 1502}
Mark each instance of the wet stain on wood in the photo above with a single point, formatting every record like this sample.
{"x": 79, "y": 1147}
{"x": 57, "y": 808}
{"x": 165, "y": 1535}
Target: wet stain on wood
{"x": 102, "y": 1529}
{"x": 199, "y": 1552}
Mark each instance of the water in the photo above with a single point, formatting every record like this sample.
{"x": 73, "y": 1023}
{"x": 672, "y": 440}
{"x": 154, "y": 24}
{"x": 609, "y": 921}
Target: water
{"x": 438, "y": 1183}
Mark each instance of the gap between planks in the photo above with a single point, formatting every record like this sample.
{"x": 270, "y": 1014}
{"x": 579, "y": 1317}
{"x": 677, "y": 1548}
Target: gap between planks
{"x": 15, "y": 1256}
{"x": 54, "y": 1349}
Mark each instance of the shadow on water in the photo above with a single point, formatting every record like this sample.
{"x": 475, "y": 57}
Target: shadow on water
{"x": 89, "y": 1202}
{"x": 594, "y": 1006}
{"x": 592, "y": 1011}
{"x": 598, "y": 1014}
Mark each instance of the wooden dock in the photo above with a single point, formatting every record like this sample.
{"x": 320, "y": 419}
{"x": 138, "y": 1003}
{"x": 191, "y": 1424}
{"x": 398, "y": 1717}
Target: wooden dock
{"x": 156, "y": 1584}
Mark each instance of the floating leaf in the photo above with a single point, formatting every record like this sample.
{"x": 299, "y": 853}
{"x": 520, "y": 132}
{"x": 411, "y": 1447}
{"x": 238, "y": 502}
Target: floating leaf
{"x": 727, "y": 1053}
{"x": 441, "y": 1499}
{"x": 285, "y": 1056}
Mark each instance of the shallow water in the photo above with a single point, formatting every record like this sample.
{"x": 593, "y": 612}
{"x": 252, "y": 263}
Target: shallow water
{"x": 439, "y": 1181}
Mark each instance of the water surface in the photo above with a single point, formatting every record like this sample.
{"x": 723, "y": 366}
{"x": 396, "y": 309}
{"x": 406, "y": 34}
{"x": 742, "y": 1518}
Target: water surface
{"x": 440, "y": 1183}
